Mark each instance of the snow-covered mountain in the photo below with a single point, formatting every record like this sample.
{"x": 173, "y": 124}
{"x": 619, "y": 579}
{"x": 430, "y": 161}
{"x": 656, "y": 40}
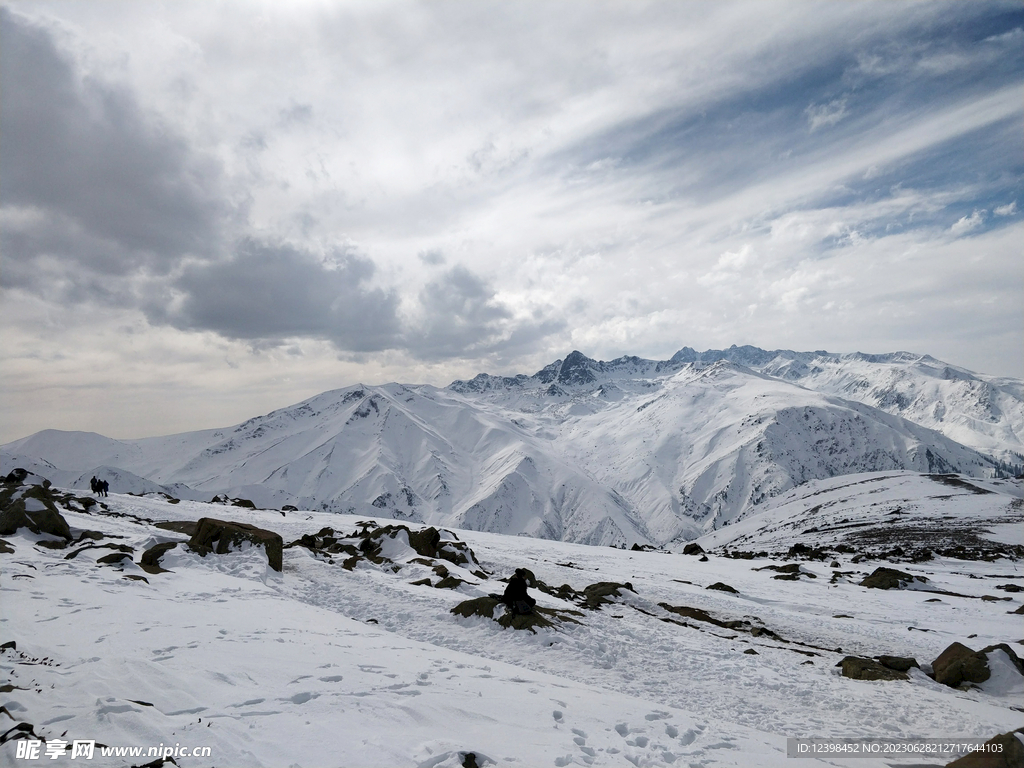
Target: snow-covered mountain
{"x": 617, "y": 452}
{"x": 983, "y": 412}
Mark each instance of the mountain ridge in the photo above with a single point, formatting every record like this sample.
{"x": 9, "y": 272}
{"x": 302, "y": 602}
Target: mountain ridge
{"x": 618, "y": 452}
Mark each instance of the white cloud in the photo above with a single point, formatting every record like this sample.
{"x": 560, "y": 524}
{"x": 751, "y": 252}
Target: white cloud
{"x": 967, "y": 223}
{"x": 825, "y": 115}
{"x": 1006, "y": 210}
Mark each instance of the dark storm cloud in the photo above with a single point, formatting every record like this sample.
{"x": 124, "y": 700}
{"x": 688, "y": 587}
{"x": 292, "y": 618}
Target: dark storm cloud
{"x": 92, "y": 164}
{"x": 270, "y": 291}
{"x": 462, "y": 315}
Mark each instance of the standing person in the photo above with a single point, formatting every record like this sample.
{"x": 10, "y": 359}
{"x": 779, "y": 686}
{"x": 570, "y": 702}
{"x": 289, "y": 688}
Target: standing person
{"x": 104, "y": 487}
{"x": 516, "y": 597}
{"x": 94, "y": 485}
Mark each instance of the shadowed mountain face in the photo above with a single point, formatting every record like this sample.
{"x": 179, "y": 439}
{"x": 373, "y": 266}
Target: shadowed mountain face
{"x": 596, "y": 452}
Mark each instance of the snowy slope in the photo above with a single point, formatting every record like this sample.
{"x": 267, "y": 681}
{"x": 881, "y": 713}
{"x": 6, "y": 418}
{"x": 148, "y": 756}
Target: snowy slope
{"x": 593, "y": 452}
{"x": 983, "y": 412}
{"x": 320, "y": 665}
{"x": 877, "y": 512}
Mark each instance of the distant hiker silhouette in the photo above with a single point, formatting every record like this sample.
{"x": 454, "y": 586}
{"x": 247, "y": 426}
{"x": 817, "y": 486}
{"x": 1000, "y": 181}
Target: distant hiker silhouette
{"x": 517, "y": 600}
{"x": 94, "y": 484}
{"x": 104, "y": 486}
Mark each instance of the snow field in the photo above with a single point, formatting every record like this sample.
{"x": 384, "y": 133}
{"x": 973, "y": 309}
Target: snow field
{"x": 322, "y": 666}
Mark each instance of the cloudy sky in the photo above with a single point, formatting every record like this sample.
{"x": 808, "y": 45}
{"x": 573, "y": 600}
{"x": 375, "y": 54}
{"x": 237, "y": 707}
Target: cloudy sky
{"x": 210, "y": 210}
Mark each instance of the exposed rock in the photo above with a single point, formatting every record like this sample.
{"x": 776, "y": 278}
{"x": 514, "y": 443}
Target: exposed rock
{"x": 30, "y": 506}
{"x": 289, "y": 508}
{"x": 5, "y": 547}
{"x": 860, "y": 668}
{"x": 699, "y": 614}
{"x": 751, "y": 652}
{"x": 890, "y": 578}
{"x": 789, "y": 572}
{"x": 603, "y": 592}
{"x": 1010, "y": 587}
{"x": 958, "y": 664}
{"x": 1004, "y": 751}
{"x": 150, "y": 561}
{"x": 221, "y": 536}
{"x": 115, "y": 558}
{"x": 540, "y": 617}
{"x": 898, "y": 663}
{"x": 693, "y": 548}
{"x": 806, "y": 552}
{"x": 449, "y": 582}
{"x": 723, "y": 587}
{"x": 178, "y": 526}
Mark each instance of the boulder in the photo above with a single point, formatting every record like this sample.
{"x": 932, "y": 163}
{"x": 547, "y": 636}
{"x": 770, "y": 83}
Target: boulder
{"x": 115, "y": 558}
{"x": 898, "y": 663}
{"x": 220, "y": 536}
{"x": 958, "y": 664}
{"x": 722, "y": 587}
{"x": 890, "y": 578}
{"x": 693, "y": 548}
{"x": 860, "y": 668}
{"x": 32, "y": 507}
{"x": 150, "y": 561}
{"x": 1003, "y": 751}
{"x": 596, "y": 595}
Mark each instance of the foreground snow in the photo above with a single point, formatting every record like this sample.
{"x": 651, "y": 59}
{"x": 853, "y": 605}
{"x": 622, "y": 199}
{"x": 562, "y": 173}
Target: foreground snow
{"x": 319, "y": 665}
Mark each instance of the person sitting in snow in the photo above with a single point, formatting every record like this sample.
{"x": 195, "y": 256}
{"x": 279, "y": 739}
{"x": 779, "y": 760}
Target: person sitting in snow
{"x": 517, "y": 600}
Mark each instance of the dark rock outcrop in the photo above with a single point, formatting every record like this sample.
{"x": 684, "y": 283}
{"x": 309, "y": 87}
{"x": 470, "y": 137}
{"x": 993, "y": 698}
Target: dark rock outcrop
{"x": 890, "y": 578}
{"x": 603, "y": 592}
{"x": 693, "y": 548}
{"x": 899, "y": 663}
{"x": 722, "y": 587}
{"x": 220, "y": 536}
{"x": 540, "y": 617}
{"x": 958, "y": 665}
{"x": 186, "y": 527}
{"x": 150, "y": 561}
{"x": 860, "y": 668}
{"x": 31, "y": 506}
{"x": 115, "y": 558}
